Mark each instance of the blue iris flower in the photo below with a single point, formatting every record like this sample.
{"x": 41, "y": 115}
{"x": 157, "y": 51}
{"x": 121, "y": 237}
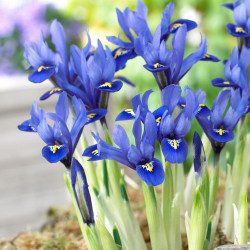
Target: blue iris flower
{"x": 200, "y": 109}
{"x": 36, "y": 116}
{"x": 219, "y": 127}
{"x": 172, "y": 131}
{"x": 156, "y": 54}
{"x": 43, "y": 61}
{"x": 167, "y": 28}
{"x": 241, "y": 17}
{"x": 137, "y": 21}
{"x": 142, "y": 104}
{"x": 89, "y": 75}
{"x": 235, "y": 70}
{"x": 61, "y": 142}
{"x": 129, "y": 114}
{"x": 81, "y": 192}
{"x": 171, "y": 63}
{"x": 140, "y": 156}
{"x": 95, "y": 78}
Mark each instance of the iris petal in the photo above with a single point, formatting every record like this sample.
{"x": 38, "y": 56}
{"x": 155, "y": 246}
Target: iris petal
{"x": 121, "y": 56}
{"x": 234, "y": 30}
{"x": 55, "y": 153}
{"x": 153, "y": 175}
{"x": 173, "y": 27}
{"x": 158, "y": 114}
{"x": 127, "y": 114}
{"x": 95, "y": 114}
{"x": 210, "y": 58}
{"x": 220, "y": 82}
{"x": 25, "y": 126}
{"x": 173, "y": 155}
{"x": 224, "y": 136}
{"x": 156, "y": 67}
{"x": 92, "y": 152}
{"x": 50, "y": 93}
{"x": 110, "y": 87}
{"x": 44, "y": 74}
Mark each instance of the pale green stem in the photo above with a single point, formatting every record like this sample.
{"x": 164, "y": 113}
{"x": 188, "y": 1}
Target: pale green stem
{"x": 155, "y": 223}
{"x": 171, "y": 196}
{"x": 243, "y": 219}
{"x": 214, "y": 184}
{"x": 167, "y": 198}
{"x": 162, "y": 79}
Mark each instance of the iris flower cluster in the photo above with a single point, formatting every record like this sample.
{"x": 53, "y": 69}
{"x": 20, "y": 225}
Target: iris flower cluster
{"x": 60, "y": 141}
{"x": 169, "y": 131}
{"x": 89, "y": 75}
{"x": 153, "y": 48}
{"x": 85, "y": 80}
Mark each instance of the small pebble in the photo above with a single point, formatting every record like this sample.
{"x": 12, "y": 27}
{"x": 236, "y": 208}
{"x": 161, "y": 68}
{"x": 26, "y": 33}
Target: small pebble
{"x": 233, "y": 247}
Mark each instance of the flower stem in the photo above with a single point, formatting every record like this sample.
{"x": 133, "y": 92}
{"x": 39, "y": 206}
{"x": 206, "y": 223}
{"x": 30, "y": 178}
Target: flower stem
{"x": 214, "y": 184}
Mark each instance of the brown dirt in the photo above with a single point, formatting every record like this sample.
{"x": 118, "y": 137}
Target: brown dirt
{"x": 61, "y": 232}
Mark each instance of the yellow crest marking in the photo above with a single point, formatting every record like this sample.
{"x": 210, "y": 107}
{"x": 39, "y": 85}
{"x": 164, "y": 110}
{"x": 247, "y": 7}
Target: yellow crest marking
{"x": 221, "y": 131}
{"x": 128, "y": 110}
{"x": 175, "y": 144}
{"x": 40, "y": 69}
{"x": 94, "y": 152}
{"x": 54, "y": 149}
{"x": 149, "y": 168}
{"x": 201, "y": 105}
{"x": 226, "y": 82}
{"x": 207, "y": 56}
{"x": 118, "y": 52}
{"x": 176, "y": 25}
{"x": 156, "y": 65}
{"x": 91, "y": 114}
{"x": 239, "y": 29}
{"x": 53, "y": 90}
{"x": 158, "y": 119}
{"x": 108, "y": 84}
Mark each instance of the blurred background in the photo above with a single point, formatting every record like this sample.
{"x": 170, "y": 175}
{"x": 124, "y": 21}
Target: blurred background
{"x": 28, "y": 184}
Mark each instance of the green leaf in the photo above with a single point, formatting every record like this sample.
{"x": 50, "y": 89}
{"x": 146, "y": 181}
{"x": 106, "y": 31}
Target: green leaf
{"x": 243, "y": 219}
{"x": 116, "y": 236}
{"x": 106, "y": 238}
{"x": 198, "y": 223}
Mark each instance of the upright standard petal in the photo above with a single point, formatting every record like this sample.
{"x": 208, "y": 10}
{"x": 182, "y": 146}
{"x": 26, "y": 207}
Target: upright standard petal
{"x": 170, "y": 97}
{"x": 59, "y": 40}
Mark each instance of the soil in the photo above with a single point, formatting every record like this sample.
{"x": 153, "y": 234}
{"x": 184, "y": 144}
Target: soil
{"x": 61, "y": 231}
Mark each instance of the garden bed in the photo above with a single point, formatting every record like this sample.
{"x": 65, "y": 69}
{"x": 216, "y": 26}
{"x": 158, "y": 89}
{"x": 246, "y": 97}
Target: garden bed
{"x": 61, "y": 231}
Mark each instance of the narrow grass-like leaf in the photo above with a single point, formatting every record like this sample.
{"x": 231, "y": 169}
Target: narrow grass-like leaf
{"x": 215, "y": 221}
{"x": 198, "y": 222}
{"x": 116, "y": 236}
{"x": 106, "y": 238}
{"x": 243, "y": 219}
